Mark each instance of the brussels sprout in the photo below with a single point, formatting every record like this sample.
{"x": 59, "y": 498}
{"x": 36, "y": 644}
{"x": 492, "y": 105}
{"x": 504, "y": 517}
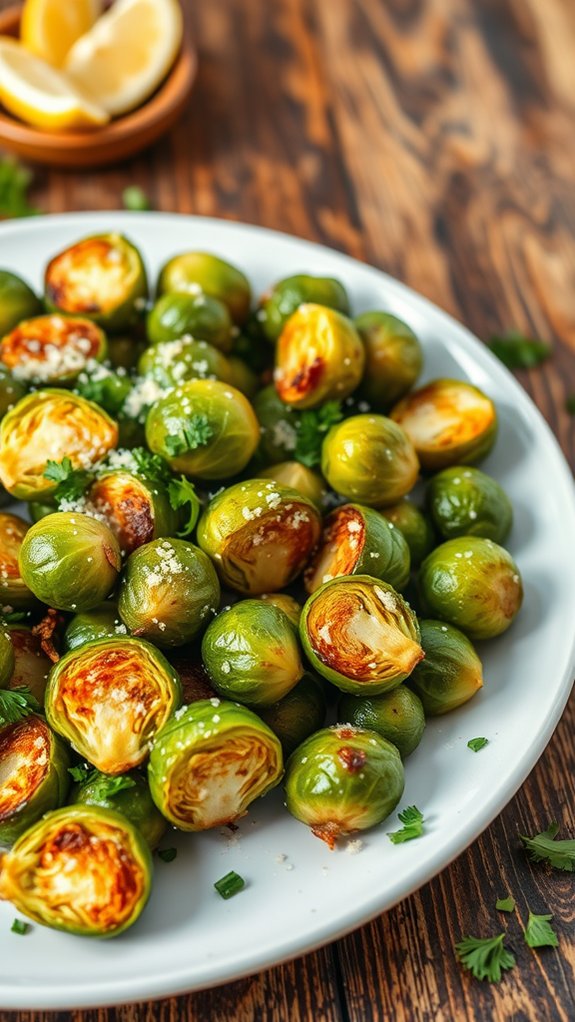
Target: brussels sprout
{"x": 279, "y": 425}
{"x": 38, "y": 510}
{"x": 50, "y": 425}
{"x": 13, "y": 590}
{"x": 203, "y": 428}
{"x": 102, "y": 622}
{"x": 108, "y": 389}
{"x": 393, "y": 358}
{"x": 298, "y": 477}
{"x": 17, "y": 301}
{"x": 319, "y": 357}
{"x": 295, "y": 717}
{"x": 251, "y": 346}
{"x": 11, "y": 391}
{"x": 210, "y": 762}
{"x": 415, "y": 526}
{"x": 449, "y": 422}
{"x": 259, "y": 534}
{"x": 252, "y": 654}
{"x": 136, "y": 509}
{"x": 466, "y": 502}
{"x": 34, "y": 770}
{"x": 203, "y": 318}
{"x": 359, "y": 541}
{"x": 102, "y": 278}
{"x": 451, "y": 672}
{"x": 128, "y": 795}
{"x": 70, "y": 561}
{"x": 51, "y": 349}
{"x": 472, "y": 583}
{"x": 175, "y": 362}
{"x": 343, "y": 779}
{"x": 287, "y": 603}
{"x": 31, "y": 665}
{"x": 242, "y": 377}
{"x": 82, "y": 869}
{"x": 197, "y": 273}
{"x": 6, "y": 657}
{"x": 287, "y": 295}
{"x": 168, "y": 591}
{"x": 124, "y": 351}
{"x": 397, "y": 716}
{"x": 360, "y": 634}
{"x": 368, "y": 458}
{"x": 109, "y": 698}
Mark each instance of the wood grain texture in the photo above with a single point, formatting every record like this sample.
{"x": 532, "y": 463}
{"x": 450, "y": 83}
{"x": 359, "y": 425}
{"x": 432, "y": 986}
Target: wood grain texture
{"x": 434, "y": 139}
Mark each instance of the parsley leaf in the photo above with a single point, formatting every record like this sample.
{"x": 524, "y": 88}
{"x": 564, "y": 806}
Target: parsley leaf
{"x": 167, "y": 854}
{"x": 505, "y": 904}
{"x": 311, "y": 430}
{"x": 181, "y": 492}
{"x": 152, "y": 466}
{"x": 14, "y": 183}
{"x": 14, "y": 616}
{"x": 544, "y": 848}
{"x": 539, "y": 933}
{"x": 135, "y": 199}
{"x": 475, "y": 744}
{"x": 20, "y": 927}
{"x": 519, "y": 352}
{"x": 197, "y": 433}
{"x": 72, "y": 482}
{"x": 102, "y": 786}
{"x": 58, "y": 471}
{"x": 16, "y": 703}
{"x": 485, "y": 958}
{"x": 412, "y": 820}
{"x": 79, "y": 773}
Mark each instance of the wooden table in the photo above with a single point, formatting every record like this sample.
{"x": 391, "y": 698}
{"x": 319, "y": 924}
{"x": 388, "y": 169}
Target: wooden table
{"x": 434, "y": 139}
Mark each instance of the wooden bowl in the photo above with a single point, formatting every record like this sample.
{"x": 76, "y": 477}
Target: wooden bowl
{"x": 121, "y": 138}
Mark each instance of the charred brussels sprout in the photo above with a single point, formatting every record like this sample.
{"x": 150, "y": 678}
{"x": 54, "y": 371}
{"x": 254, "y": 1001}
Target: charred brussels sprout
{"x": 298, "y": 477}
{"x": 393, "y": 358}
{"x": 449, "y": 422}
{"x": 343, "y": 779}
{"x": 70, "y": 561}
{"x": 295, "y": 717}
{"x": 368, "y": 458}
{"x": 102, "y": 622}
{"x": 259, "y": 534}
{"x": 252, "y": 654}
{"x": 34, "y": 770}
{"x": 197, "y": 273}
{"x": 13, "y": 590}
{"x": 319, "y": 357}
{"x": 17, "y": 301}
{"x": 473, "y": 584}
{"x": 359, "y": 541}
{"x": 128, "y": 795}
{"x": 11, "y": 391}
{"x": 285, "y": 602}
{"x": 466, "y": 502}
{"x": 168, "y": 592}
{"x": 210, "y": 762}
{"x": 397, "y": 716}
{"x": 173, "y": 362}
{"x": 287, "y": 295}
{"x": 279, "y": 425}
{"x": 242, "y": 377}
{"x": 177, "y": 315}
{"x": 82, "y": 869}
{"x": 203, "y": 428}
{"x": 102, "y": 278}
{"x": 109, "y": 698}
{"x": 136, "y": 509}
{"x": 6, "y": 658}
{"x": 51, "y": 349}
{"x": 360, "y": 634}
{"x": 415, "y": 526}
{"x": 31, "y": 665}
{"x": 451, "y": 672}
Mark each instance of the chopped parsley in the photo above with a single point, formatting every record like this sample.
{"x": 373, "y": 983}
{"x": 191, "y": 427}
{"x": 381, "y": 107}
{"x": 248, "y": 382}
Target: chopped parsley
{"x": 15, "y": 181}
{"x": 505, "y": 904}
{"x": 79, "y": 773}
{"x": 570, "y": 404}
{"x": 539, "y": 933}
{"x": 544, "y": 848}
{"x": 232, "y": 883}
{"x": 311, "y": 431}
{"x": 135, "y": 199}
{"x": 20, "y": 927}
{"x": 519, "y": 352}
{"x": 412, "y": 820}
{"x": 71, "y": 482}
{"x": 197, "y": 433}
{"x": 182, "y": 493}
{"x": 17, "y": 703}
{"x": 150, "y": 465}
{"x": 485, "y": 958}
{"x": 167, "y": 854}
{"x": 475, "y": 744}
{"x": 58, "y": 471}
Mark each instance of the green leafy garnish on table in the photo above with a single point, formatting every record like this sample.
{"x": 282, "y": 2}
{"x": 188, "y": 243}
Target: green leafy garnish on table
{"x": 20, "y": 927}
{"x": 230, "y": 884}
{"x": 15, "y": 181}
{"x": 505, "y": 904}
{"x": 485, "y": 958}
{"x": 544, "y": 848}
{"x": 311, "y": 431}
{"x": 135, "y": 199}
{"x": 475, "y": 744}
{"x": 17, "y": 703}
{"x": 539, "y": 933}
{"x": 519, "y": 352}
{"x": 167, "y": 854}
{"x": 412, "y": 820}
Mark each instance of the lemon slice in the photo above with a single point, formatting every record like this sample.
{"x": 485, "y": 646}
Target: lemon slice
{"x": 41, "y": 95}
{"x": 50, "y": 27}
{"x": 127, "y": 53}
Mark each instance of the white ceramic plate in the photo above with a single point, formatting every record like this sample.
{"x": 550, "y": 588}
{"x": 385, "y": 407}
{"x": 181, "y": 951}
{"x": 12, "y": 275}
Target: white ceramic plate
{"x": 188, "y": 937}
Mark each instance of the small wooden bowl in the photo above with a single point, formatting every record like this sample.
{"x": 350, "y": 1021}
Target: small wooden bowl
{"x": 116, "y": 141}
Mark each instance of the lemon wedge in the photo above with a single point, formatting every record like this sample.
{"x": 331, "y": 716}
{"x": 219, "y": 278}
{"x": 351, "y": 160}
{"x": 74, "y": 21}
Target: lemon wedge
{"x": 41, "y": 95}
{"x": 50, "y": 27}
{"x": 127, "y": 53}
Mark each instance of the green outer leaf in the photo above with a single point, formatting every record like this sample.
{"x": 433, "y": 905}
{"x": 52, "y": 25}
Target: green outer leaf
{"x": 519, "y": 352}
{"x": 538, "y": 932}
{"x": 485, "y": 958}
{"x": 544, "y": 848}
{"x": 412, "y": 820}
{"x": 476, "y": 744}
{"x": 505, "y": 904}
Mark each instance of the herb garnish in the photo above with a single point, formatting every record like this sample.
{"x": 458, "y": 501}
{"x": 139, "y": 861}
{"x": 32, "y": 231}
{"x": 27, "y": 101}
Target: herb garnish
{"x": 181, "y": 493}
{"x": 311, "y": 431}
{"x": 197, "y": 433}
{"x": 475, "y": 744}
{"x": 544, "y": 848}
{"x": 17, "y": 703}
{"x": 232, "y": 883}
{"x": 167, "y": 854}
{"x": 505, "y": 904}
{"x": 519, "y": 352}
{"x": 135, "y": 199}
{"x": 20, "y": 927}
{"x": 539, "y": 933}
{"x": 485, "y": 958}
{"x": 412, "y": 820}
{"x": 15, "y": 181}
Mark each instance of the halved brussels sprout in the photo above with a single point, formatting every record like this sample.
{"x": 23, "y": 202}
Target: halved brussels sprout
{"x": 6, "y": 657}
{"x": 343, "y": 779}
{"x": 11, "y": 391}
{"x": 109, "y": 698}
{"x": 136, "y": 509}
{"x": 449, "y": 422}
{"x": 285, "y": 602}
{"x": 50, "y": 425}
{"x": 129, "y": 795}
{"x": 451, "y": 673}
{"x": 82, "y": 869}
{"x": 298, "y": 477}
{"x": 279, "y": 424}
{"x": 393, "y": 358}
{"x": 13, "y": 590}
{"x": 415, "y": 526}
{"x": 368, "y": 458}
{"x": 295, "y": 717}
{"x": 473, "y": 584}
{"x": 397, "y": 716}
{"x": 168, "y": 592}
{"x": 242, "y": 377}
{"x": 466, "y": 502}
{"x": 102, "y": 622}
{"x": 252, "y": 654}
{"x": 201, "y": 317}
{"x": 210, "y": 762}
{"x": 197, "y": 273}
{"x": 17, "y": 301}
{"x": 259, "y": 534}
{"x": 173, "y": 362}
{"x": 102, "y": 278}
{"x": 70, "y": 561}
{"x": 203, "y": 428}
{"x": 359, "y": 541}
{"x": 31, "y": 665}
{"x": 360, "y": 634}
{"x": 34, "y": 770}
{"x": 319, "y": 357}
{"x": 51, "y": 349}
{"x": 288, "y": 294}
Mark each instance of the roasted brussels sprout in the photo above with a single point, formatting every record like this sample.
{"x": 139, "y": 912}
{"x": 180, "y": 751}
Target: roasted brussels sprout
{"x": 179, "y": 315}
{"x": 109, "y": 698}
{"x": 102, "y": 622}
{"x": 51, "y": 349}
{"x": 393, "y": 358}
{"x": 31, "y": 665}
{"x": 415, "y": 526}
{"x": 128, "y": 795}
{"x": 135, "y": 508}
{"x": 11, "y": 391}
{"x": 466, "y": 502}
{"x": 82, "y": 869}
{"x": 197, "y": 273}
{"x": 319, "y": 357}
{"x": 70, "y": 561}
{"x": 17, "y": 301}
{"x": 168, "y": 591}
{"x": 285, "y": 602}
{"x": 203, "y": 428}
{"x": 451, "y": 672}
{"x": 242, "y": 377}
{"x": 173, "y": 362}
{"x": 359, "y": 541}
{"x": 6, "y": 657}
{"x": 34, "y": 771}
{"x": 252, "y": 654}
{"x": 251, "y": 346}
{"x": 107, "y": 388}
{"x": 50, "y": 425}
{"x": 14, "y": 592}
{"x": 472, "y": 583}
{"x": 295, "y": 717}
{"x": 288, "y": 294}
{"x": 298, "y": 477}
{"x": 343, "y": 779}
{"x": 449, "y": 422}
{"x": 368, "y": 458}
{"x": 397, "y": 716}
{"x": 360, "y": 634}
{"x": 102, "y": 278}
{"x": 279, "y": 425}
{"x": 259, "y": 534}
{"x": 210, "y": 762}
